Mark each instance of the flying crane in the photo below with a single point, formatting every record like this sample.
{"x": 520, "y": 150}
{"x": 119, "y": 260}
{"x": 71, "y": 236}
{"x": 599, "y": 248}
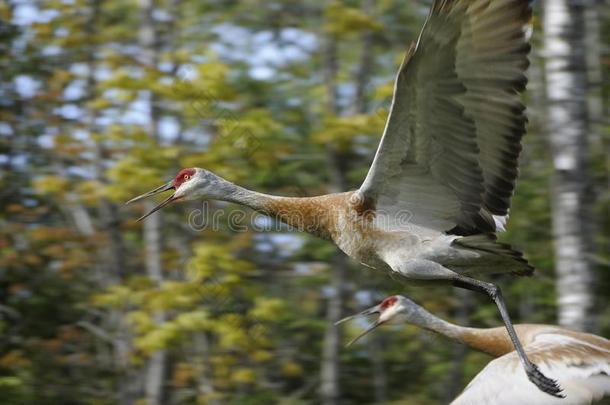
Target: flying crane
{"x": 441, "y": 182}
{"x": 580, "y": 361}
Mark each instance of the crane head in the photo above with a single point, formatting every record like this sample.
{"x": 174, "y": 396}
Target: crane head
{"x": 183, "y": 185}
{"x": 390, "y": 311}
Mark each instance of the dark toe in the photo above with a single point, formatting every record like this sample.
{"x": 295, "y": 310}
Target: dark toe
{"x": 544, "y": 383}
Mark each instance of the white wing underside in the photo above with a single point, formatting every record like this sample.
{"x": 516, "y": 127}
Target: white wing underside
{"x": 448, "y": 156}
{"x": 581, "y": 368}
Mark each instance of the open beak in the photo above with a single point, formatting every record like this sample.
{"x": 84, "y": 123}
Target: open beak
{"x": 366, "y": 312}
{"x": 370, "y": 328}
{"x": 163, "y": 188}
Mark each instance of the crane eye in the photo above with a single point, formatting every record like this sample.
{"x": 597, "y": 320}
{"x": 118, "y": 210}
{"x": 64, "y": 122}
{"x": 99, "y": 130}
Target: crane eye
{"x": 186, "y": 177}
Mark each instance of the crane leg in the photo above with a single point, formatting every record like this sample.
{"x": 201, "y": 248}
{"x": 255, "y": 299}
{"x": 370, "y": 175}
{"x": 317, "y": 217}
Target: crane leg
{"x": 544, "y": 383}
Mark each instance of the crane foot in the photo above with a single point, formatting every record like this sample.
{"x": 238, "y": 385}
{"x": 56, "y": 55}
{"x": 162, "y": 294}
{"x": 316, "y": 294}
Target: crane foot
{"x": 544, "y": 383}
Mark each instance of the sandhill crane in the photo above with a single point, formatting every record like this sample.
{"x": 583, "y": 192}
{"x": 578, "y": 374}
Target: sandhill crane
{"x": 579, "y": 361}
{"x": 443, "y": 176}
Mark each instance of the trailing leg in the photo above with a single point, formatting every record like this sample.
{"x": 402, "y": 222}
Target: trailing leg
{"x": 544, "y": 383}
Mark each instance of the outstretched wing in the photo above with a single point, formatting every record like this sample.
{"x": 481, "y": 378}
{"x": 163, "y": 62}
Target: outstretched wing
{"x": 449, "y": 152}
{"x": 580, "y": 366}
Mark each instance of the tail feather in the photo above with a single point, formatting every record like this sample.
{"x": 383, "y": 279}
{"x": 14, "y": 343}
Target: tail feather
{"x": 503, "y": 258}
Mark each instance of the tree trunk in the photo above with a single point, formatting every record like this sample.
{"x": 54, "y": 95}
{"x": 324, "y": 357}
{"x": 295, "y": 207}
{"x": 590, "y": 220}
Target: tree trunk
{"x": 155, "y": 367}
{"x": 330, "y": 392}
{"x": 205, "y": 382}
{"x": 454, "y": 383}
{"x": 329, "y": 374}
{"x": 366, "y": 63}
{"x": 567, "y": 125}
{"x": 111, "y": 263}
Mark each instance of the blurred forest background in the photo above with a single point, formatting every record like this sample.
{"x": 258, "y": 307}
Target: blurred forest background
{"x": 101, "y": 100}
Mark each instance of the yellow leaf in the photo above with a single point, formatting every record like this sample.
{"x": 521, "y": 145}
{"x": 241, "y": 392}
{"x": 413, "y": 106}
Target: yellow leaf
{"x": 292, "y": 369}
{"x": 244, "y": 376}
{"x": 51, "y": 184}
{"x": 344, "y": 20}
{"x": 267, "y": 309}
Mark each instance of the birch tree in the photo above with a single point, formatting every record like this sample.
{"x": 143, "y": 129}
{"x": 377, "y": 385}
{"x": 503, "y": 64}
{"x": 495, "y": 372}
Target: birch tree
{"x": 155, "y": 369}
{"x": 567, "y": 126}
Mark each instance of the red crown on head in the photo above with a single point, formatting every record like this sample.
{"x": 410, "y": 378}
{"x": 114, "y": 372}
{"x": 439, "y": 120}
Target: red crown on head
{"x": 183, "y": 175}
{"x": 388, "y": 302}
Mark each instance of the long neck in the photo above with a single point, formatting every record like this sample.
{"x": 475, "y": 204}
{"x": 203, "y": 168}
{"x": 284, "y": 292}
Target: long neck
{"x": 309, "y": 214}
{"x": 233, "y": 193}
{"x": 492, "y": 341}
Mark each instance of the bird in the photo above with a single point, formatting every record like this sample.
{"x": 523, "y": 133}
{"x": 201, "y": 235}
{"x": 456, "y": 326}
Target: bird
{"x": 440, "y": 184}
{"x": 579, "y": 361}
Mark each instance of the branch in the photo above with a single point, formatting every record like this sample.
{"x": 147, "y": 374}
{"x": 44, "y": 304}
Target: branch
{"x": 97, "y": 331}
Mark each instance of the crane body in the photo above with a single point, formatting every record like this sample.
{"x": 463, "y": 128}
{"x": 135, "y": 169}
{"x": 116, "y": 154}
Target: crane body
{"x": 580, "y": 362}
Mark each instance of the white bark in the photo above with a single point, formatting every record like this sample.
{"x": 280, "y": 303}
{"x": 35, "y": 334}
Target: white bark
{"x": 201, "y": 360}
{"x": 155, "y": 368}
{"x": 567, "y": 125}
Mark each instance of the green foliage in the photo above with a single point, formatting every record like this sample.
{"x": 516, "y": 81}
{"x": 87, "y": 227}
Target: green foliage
{"x": 241, "y": 316}
{"x": 342, "y": 20}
